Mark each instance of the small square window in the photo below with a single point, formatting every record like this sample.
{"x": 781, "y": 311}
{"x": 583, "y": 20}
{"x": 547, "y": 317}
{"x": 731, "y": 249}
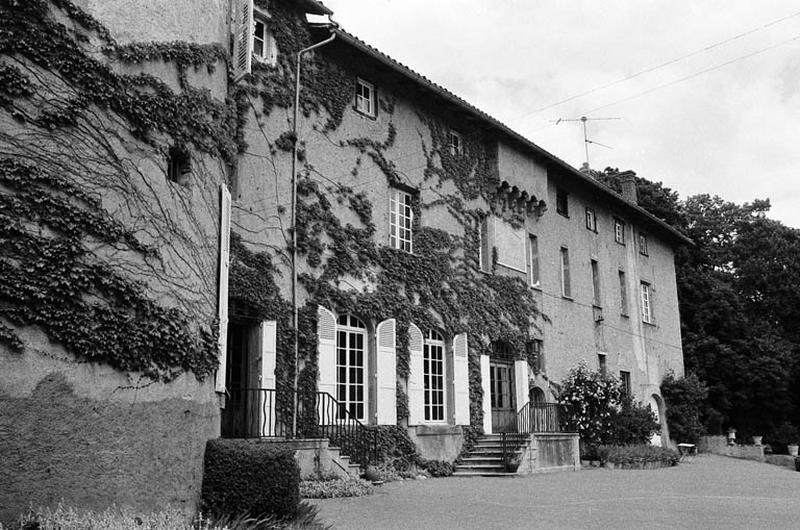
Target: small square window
{"x": 562, "y": 202}
{"x": 179, "y": 166}
{"x": 456, "y": 144}
{"x": 619, "y": 231}
{"x": 643, "y": 244}
{"x": 365, "y": 97}
{"x": 591, "y": 220}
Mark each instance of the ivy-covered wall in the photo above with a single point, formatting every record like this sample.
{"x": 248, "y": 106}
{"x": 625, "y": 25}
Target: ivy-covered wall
{"x": 348, "y": 162}
{"x": 108, "y": 270}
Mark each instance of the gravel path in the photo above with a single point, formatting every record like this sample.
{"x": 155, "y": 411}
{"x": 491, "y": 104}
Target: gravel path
{"x": 709, "y": 492}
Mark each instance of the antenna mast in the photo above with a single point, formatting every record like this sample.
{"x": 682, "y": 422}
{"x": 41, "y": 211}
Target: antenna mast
{"x": 586, "y": 141}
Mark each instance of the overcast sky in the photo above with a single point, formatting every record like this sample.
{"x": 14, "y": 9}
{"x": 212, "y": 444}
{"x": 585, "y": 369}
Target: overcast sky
{"x": 732, "y": 131}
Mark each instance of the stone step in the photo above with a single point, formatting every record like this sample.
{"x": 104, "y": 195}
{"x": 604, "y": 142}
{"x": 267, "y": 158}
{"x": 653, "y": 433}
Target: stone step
{"x": 475, "y": 460}
{"x": 460, "y": 473}
{"x": 480, "y": 467}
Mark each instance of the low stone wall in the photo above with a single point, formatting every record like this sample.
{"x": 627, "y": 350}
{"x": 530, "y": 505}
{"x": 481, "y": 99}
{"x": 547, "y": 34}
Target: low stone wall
{"x": 780, "y": 460}
{"x": 718, "y": 445}
{"x": 437, "y": 442}
{"x": 549, "y": 452}
{"x": 314, "y": 456}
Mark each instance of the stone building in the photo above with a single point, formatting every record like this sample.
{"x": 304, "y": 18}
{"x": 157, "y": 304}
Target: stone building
{"x": 442, "y": 270}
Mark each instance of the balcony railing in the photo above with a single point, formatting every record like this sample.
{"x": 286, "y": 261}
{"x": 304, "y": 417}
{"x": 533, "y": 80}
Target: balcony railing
{"x": 267, "y": 413}
{"x": 537, "y": 417}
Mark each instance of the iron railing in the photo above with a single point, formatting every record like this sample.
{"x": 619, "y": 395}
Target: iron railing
{"x": 537, "y": 417}
{"x": 267, "y": 413}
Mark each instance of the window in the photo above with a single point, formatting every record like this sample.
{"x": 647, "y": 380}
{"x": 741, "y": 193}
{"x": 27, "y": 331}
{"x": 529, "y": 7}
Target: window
{"x": 591, "y": 220}
{"x": 566, "y": 291}
{"x": 264, "y": 47}
{"x": 401, "y": 218}
{"x": 601, "y": 362}
{"x": 510, "y": 244}
{"x": 562, "y": 202}
{"x": 456, "y": 144}
{"x": 619, "y": 231}
{"x": 625, "y": 379}
{"x": 433, "y": 376}
{"x": 365, "y": 97}
{"x": 179, "y": 167}
{"x": 623, "y": 294}
{"x": 642, "y": 244}
{"x": 533, "y": 261}
{"x": 351, "y": 337}
{"x": 647, "y": 303}
{"x": 596, "y": 299}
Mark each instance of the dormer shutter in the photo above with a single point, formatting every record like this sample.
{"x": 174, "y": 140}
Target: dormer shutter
{"x": 222, "y": 292}
{"x": 242, "y": 38}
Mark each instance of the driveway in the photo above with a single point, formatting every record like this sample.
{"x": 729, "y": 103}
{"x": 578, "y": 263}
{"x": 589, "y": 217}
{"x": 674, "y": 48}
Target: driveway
{"x": 709, "y": 492}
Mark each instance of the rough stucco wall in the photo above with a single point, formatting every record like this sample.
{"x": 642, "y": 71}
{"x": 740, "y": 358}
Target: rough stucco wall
{"x": 93, "y": 453}
{"x": 199, "y": 21}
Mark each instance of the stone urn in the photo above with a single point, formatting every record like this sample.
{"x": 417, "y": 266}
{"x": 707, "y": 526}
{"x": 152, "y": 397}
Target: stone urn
{"x": 792, "y": 448}
{"x": 757, "y": 440}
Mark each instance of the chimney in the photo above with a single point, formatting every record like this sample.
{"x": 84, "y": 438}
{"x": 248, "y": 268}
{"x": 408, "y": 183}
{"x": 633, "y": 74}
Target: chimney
{"x": 628, "y": 180}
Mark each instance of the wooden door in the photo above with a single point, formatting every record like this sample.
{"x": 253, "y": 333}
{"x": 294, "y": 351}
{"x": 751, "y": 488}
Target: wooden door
{"x": 501, "y": 381}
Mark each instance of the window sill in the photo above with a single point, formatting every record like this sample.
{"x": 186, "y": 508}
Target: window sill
{"x": 569, "y": 298}
{"x": 536, "y": 287}
{"x": 562, "y": 214}
{"x": 645, "y": 254}
{"x": 373, "y": 117}
{"x": 624, "y": 315}
{"x": 651, "y": 324}
{"x": 622, "y": 243}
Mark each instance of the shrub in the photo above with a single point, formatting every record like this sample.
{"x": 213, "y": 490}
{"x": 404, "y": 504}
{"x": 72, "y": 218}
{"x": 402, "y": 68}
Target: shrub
{"x": 684, "y": 399}
{"x": 437, "y": 468}
{"x": 337, "y": 487}
{"x": 589, "y": 398}
{"x": 632, "y": 423}
{"x": 248, "y": 477}
{"x": 637, "y": 455}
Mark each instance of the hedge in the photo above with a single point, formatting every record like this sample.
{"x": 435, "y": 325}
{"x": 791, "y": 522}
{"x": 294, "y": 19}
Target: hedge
{"x": 250, "y": 477}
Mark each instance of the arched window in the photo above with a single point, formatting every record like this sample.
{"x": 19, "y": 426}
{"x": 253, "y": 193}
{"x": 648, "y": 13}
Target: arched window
{"x": 433, "y": 371}
{"x": 351, "y": 365}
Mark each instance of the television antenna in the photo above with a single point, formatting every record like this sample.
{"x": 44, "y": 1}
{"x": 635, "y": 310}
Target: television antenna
{"x": 586, "y": 141}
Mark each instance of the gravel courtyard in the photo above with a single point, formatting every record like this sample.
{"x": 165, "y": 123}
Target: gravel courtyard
{"x": 709, "y": 492}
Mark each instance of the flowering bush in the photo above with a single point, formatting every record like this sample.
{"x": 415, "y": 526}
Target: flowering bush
{"x": 589, "y": 399}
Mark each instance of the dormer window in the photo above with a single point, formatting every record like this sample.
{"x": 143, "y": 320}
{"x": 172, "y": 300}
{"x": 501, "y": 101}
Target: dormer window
{"x": 264, "y": 47}
{"x": 365, "y": 97}
{"x": 456, "y": 144}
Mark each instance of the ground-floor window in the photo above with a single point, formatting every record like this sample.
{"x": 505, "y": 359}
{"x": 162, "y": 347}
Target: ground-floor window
{"x": 351, "y": 366}
{"x": 433, "y": 376}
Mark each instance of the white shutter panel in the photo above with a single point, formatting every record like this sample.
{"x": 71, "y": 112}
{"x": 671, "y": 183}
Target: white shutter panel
{"x": 326, "y": 362}
{"x": 386, "y": 373}
{"x": 242, "y": 38}
{"x": 269, "y": 355}
{"x": 461, "y": 379}
{"x": 487, "y": 395}
{"x": 521, "y": 388}
{"x": 416, "y": 389}
{"x": 222, "y": 293}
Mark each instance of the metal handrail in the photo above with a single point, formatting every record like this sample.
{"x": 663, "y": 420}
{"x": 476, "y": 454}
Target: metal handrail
{"x": 267, "y": 413}
{"x": 536, "y": 417}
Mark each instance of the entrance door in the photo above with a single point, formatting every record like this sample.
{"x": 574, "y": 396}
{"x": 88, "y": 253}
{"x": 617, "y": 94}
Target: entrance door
{"x": 501, "y": 380}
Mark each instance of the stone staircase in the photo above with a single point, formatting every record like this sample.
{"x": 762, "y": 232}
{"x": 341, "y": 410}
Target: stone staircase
{"x": 343, "y": 463}
{"x": 486, "y": 457}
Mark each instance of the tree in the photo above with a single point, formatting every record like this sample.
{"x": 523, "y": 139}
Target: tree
{"x": 685, "y": 398}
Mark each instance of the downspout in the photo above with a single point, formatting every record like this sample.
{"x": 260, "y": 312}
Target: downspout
{"x": 295, "y": 319}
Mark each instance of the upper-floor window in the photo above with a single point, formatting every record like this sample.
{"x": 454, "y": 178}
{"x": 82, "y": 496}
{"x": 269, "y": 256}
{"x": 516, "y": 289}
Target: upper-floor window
{"x": 179, "y": 166}
{"x": 365, "y": 97}
{"x": 433, "y": 371}
{"x": 596, "y": 298}
{"x": 591, "y": 219}
{"x": 601, "y": 362}
{"x": 643, "y": 244}
{"x": 619, "y": 231}
{"x": 456, "y": 143}
{"x": 484, "y": 246}
{"x": 566, "y": 289}
{"x": 264, "y": 47}
{"x": 401, "y": 219}
{"x": 625, "y": 379}
{"x": 562, "y": 202}
{"x": 647, "y": 303}
{"x": 623, "y": 294}
{"x": 533, "y": 261}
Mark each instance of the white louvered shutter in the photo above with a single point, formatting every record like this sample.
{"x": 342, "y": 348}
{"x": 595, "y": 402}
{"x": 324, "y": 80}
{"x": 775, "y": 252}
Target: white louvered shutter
{"x": 416, "y": 389}
{"x": 222, "y": 293}
{"x": 269, "y": 355}
{"x": 242, "y": 38}
{"x": 487, "y": 394}
{"x": 326, "y": 362}
{"x": 386, "y": 373}
{"x": 461, "y": 379}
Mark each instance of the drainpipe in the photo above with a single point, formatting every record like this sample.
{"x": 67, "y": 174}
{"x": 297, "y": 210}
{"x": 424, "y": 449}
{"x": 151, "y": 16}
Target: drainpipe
{"x": 295, "y": 320}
